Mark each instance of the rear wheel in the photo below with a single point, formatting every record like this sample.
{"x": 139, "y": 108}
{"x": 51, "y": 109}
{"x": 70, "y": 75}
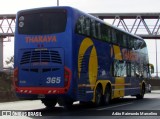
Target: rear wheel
{"x": 98, "y": 96}
{"x": 67, "y": 103}
{"x": 141, "y": 96}
{"x": 49, "y": 103}
{"x": 107, "y": 95}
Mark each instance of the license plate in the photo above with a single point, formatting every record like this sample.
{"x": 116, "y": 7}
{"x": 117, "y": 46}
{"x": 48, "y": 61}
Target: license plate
{"x": 41, "y": 96}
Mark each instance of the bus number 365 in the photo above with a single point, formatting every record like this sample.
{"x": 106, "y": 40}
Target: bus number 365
{"x": 53, "y": 80}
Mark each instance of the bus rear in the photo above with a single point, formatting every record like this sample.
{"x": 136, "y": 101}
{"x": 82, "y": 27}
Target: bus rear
{"x": 43, "y": 54}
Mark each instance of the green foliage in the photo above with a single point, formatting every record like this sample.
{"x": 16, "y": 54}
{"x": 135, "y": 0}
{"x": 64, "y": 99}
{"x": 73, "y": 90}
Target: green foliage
{"x": 10, "y": 61}
{"x": 5, "y": 81}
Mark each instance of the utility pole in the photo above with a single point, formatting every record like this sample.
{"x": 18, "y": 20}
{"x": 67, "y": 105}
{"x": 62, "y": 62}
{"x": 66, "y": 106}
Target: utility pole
{"x": 156, "y": 57}
{"x": 1, "y": 53}
{"x": 57, "y": 2}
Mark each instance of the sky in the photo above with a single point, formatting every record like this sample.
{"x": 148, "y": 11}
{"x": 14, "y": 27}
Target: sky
{"x": 12, "y": 6}
{"x": 89, "y": 6}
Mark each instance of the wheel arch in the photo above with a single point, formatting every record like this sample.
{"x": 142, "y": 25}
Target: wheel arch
{"x": 102, "y": 84}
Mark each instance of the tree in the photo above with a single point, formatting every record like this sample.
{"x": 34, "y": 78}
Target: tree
{"x": 10, "y": 61}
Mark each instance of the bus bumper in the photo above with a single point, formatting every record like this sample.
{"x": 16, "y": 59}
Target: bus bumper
{"x": 41, "y": 90}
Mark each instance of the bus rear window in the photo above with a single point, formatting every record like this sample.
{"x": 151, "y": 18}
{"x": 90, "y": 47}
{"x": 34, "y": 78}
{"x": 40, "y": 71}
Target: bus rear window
{"x": 42, "y": 22}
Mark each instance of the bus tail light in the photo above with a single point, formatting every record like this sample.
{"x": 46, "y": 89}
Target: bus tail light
{"x": 15, "y": 81}
{"x": 67, "y": 76}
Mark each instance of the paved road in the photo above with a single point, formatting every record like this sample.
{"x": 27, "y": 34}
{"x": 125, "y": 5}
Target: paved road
{"x": 150, "y": 105}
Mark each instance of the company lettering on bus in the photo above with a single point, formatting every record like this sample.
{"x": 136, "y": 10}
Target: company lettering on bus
{"x": 40, "y": 39}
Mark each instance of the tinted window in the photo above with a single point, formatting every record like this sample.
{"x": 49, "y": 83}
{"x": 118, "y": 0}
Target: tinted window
{"x": 120, "y": 68}
{"x": 83, "y": 26}
{"x": 128, "y": 69}
{"x": 93, "y": 28}
{"x": 42, "y": 22}
{"x": 98, "y": 30}
{"x": 131, "y": 43}
{"x": 105, "y": 33}
{"x": 124, "y": 41}
{"x": 119, "y": 36}
{"x": 114, "y": 38}
{"x": 132, "y": 69}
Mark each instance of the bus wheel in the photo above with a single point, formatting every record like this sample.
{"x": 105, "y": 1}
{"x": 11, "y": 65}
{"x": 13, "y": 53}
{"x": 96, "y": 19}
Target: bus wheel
{"x": 49, "y": 103}
{"x": 141, "y": 96}
{"x": 98, "y": 96}
{"x": 66, "y": 103}
{"x": 107, "y": 95}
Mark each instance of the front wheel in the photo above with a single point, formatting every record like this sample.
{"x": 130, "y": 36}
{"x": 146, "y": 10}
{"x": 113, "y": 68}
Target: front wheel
{"x": 141, "y": 95}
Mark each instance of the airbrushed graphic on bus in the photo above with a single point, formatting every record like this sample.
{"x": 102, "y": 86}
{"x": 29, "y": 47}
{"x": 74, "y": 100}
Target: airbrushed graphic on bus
{"x": 92, "y": 61}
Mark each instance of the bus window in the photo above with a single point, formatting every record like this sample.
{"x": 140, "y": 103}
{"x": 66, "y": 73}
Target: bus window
{"x": 132, "y": 70}
{"x": 127, "y": 41}
{"x": 137, "y": 69}
{"x": 128, "y": 69}
{"x": 105, "y": 33}
{"x": 145, "y": 70}
{"x": 120, "y": 68}
{"x": 116, "y": 68}
{"x": 123, "y": 68}
{"x": 79, "y": 25}
{"x": 124, "y": 41}
{"x": 93, "y": 28}
{"x": 137, "y": 44}
{"x": 119, "y": 37}
{"x": 114, "y": 39}
{"x": 143, "y": 47}
{"x": 98, "y": 30}
{"x": 109, "y": 35}
{"x": 131, "y": 43}
{"x": 83, "y": 26}
{"x": 87, "y": 28}
{"x": 35, "y": 23}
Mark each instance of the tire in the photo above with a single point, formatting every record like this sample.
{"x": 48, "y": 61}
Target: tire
{"x": 141, "y": 96}
{"x": 98, "y": 96}
{"x": 49, "y": 103}
{"x": 107, "y": 96}
{"x": 66, "y": 103}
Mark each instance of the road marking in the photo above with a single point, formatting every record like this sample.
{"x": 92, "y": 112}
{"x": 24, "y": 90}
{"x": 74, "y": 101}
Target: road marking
{"x": 115, "y": 106}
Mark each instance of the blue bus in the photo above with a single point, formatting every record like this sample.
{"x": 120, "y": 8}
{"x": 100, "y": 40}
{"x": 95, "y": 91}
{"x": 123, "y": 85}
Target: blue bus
{"x": 64, "y": 55}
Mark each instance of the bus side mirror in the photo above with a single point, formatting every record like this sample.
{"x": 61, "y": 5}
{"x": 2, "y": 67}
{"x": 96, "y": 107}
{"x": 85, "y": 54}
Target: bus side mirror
{"x": 151, "y": 68}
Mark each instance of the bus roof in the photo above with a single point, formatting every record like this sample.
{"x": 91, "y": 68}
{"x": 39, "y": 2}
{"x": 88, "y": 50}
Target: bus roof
{"x": 87, "y": 14}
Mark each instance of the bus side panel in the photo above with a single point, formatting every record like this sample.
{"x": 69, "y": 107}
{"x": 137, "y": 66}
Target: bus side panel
{"x": 88, "y": 70}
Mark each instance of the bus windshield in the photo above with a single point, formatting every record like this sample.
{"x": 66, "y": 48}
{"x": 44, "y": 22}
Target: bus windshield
{"x": 46, "y": 22}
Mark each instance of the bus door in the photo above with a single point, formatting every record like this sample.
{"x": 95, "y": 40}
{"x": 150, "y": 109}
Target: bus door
{"x": 41, "y": 67}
